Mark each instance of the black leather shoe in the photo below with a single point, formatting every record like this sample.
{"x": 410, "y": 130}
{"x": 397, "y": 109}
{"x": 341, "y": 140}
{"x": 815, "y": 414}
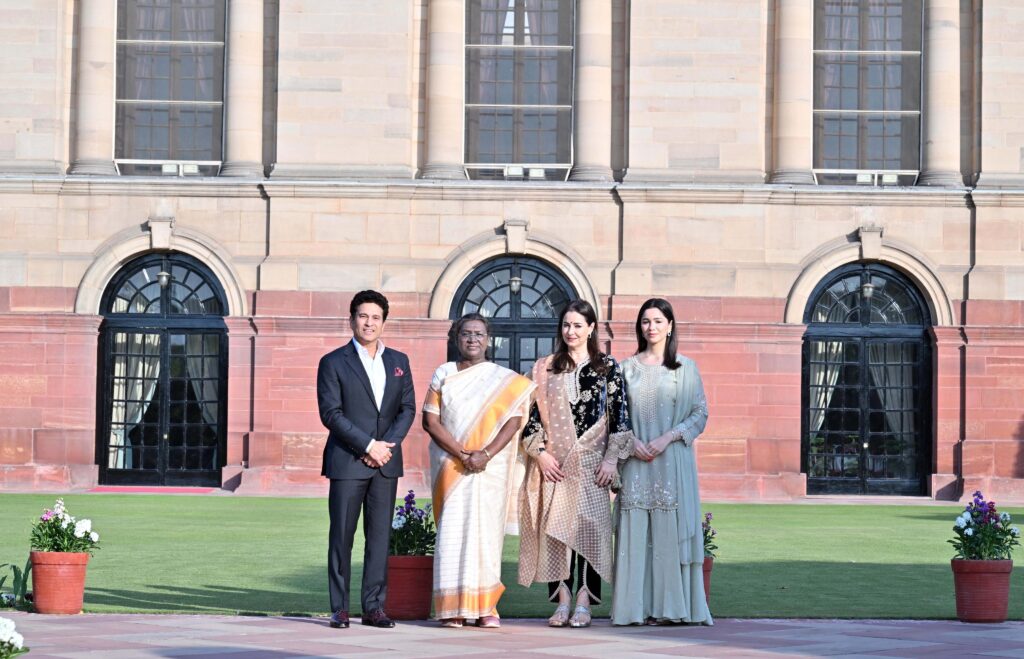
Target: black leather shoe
{"x": 378, "y": 618}
{"x": 339, "y": 619}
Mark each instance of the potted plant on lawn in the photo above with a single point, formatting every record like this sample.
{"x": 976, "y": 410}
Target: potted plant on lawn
{"x": 61, "y": 546}
{"x": 709, "y": 553}
{"x": 411, "y": 561}
{"x": 982, "y": 565}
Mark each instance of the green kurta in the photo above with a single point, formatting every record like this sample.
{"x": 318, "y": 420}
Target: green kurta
{"x": 659, "y": 555}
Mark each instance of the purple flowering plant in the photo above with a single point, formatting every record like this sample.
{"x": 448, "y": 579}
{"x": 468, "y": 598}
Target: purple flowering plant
{"x": 709, "y": 536}
{"x": 57, "y": 530}
{"x": 412, "y": 529}
{"x": 983, "y": 533}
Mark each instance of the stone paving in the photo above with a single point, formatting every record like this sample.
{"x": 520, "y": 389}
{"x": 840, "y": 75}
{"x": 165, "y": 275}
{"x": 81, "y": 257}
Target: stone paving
{"x": 124, "y": 636}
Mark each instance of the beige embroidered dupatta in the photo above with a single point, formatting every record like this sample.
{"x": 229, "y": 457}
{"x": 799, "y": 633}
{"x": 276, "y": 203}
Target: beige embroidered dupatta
{"x": 574, "y": 514}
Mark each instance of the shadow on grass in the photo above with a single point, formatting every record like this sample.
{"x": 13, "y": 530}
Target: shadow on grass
{"x": 800, "y": 589}
{"x": 839, "y": 590}
{"x": 301, "y": 594}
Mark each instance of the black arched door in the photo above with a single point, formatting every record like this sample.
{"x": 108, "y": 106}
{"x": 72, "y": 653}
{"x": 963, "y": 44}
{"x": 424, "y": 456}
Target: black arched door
{"x": 866, "y": 384}
{"x": 163, "y": 375}
{"x": 521, "y": 297}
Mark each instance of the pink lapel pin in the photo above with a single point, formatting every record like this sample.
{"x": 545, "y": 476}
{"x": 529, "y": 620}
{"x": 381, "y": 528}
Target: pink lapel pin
{"x": 399, "y": 372}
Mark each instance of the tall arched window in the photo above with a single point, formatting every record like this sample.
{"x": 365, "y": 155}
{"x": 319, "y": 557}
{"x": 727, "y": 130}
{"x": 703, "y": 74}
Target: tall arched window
{"x": 163, "y": 373}
{"x": 521, "y": 297}
{"x": 867, "y": 377}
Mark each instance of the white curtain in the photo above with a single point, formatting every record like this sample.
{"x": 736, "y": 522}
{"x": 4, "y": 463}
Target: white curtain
{"x": 204, "y": 385}
{"x": 823, "y": 378}
{"x": 893, "y": 378}
{"x": 136, "y": 368}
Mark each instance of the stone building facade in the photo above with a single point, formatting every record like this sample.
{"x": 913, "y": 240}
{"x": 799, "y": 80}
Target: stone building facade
{"x": 845, "y": 255}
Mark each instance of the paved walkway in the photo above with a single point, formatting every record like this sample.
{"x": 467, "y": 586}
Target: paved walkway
{"x": 123, "y": 636}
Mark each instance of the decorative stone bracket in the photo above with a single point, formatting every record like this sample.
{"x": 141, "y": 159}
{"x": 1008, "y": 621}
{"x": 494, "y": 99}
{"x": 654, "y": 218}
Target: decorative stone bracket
{"x": 516, "y": 232}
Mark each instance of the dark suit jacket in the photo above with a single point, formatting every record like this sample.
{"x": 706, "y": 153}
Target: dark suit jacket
{"x": 349, "y": 412}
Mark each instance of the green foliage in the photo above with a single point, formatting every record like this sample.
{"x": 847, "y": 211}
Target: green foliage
{"x": 56, "y": 530}
{"x": 412, "y": 529}
{"x": 19, "y": 585}
{"x": 983, "y": 533}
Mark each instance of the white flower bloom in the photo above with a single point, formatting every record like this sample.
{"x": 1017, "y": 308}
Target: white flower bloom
{"x": 1005, "y": 517}
{"x": 8, "y": 635}
{"x": 82, "y": 528}
{"x": 968, "y": 531}
{"x": 95, "y": 537}
{"x": 960, "y": 523}
{"x": 398, "y": 522}
{"x": 58, "y": 508}
{"x": 1015, "y": 531}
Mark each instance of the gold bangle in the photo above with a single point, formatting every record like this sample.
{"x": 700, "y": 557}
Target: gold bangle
{"x": 484, "y": 449}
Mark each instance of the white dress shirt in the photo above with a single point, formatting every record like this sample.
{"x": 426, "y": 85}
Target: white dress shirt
{"x": 374, "y": 371}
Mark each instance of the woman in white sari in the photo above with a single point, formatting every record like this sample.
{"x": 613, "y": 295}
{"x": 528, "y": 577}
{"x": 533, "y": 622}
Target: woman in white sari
{"x": 473, "y": 412}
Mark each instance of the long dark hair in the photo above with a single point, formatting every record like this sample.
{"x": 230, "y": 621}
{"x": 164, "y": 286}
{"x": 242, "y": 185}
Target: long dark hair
{"x": 458, "y": 324}
{"x": 670, "y": 362}
{"x": 562, "y": 361}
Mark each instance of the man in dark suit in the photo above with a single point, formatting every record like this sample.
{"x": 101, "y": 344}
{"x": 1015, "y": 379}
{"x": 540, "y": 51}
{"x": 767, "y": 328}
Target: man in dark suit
{"x": 366, "y": 401}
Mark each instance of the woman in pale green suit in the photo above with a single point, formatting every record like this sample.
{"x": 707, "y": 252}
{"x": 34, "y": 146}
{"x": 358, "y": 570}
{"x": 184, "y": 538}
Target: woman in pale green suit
{"x": 659, "y": 555}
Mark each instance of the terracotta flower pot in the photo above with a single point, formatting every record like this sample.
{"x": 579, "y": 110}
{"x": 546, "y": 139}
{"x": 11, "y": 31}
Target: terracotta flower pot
{"x": 58, "y": 581}
{"x": 982, "y": 589}
{"x": 709, "y": 564}
{"x": 410, "y": 586}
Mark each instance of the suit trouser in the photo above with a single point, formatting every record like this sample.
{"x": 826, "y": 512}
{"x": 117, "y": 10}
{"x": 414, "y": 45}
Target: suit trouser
{"x": 375, "y": 497}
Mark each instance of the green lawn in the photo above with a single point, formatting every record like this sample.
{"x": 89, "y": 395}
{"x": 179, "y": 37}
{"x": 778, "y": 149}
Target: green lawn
{"x": 225, "y": 554}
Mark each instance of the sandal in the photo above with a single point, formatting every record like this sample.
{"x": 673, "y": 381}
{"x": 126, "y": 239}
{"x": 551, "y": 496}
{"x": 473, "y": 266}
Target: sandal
{"x": 452, "y": 623}
{"x": 560, "y": 618}
{"x": 488, "y": 622}
{"x": 581, "y": 617}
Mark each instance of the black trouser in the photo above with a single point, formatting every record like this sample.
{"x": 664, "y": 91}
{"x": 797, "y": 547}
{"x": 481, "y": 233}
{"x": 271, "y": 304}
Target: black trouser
{"x": 580, "y": 575}
{"x": 375, "y": 497}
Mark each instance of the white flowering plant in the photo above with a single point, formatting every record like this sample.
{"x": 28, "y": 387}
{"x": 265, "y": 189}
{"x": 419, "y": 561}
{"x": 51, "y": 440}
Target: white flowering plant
{"x": 11, "y": 642}
{"x": 983, "y": 533}
{"x": 412, "y": 529}
{"x": 57, "y": 530}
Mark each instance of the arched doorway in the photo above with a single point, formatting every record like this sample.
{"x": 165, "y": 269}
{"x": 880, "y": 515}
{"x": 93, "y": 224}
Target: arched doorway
{"x": 163, "y": 374}
{"x": 521, "y": 297}
{"x": 866, "y": 384}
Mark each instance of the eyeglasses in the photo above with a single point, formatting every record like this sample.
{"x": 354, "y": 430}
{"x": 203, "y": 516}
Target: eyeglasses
{"x": 479, "y": 336}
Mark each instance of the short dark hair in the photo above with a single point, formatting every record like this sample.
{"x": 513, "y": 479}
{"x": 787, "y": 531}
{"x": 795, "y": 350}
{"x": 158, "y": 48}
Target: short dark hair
{"x": 465, "y": 318}
{"x": 362, "y": 297}
{"x": 453, "y": 333}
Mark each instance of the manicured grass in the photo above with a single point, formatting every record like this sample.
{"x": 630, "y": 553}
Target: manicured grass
{"x": 224, "y": 554}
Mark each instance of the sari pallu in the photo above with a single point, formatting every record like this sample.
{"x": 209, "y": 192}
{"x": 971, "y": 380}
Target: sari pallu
{"x": 470, "y": 508}
{"x": 574, "y": 514}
